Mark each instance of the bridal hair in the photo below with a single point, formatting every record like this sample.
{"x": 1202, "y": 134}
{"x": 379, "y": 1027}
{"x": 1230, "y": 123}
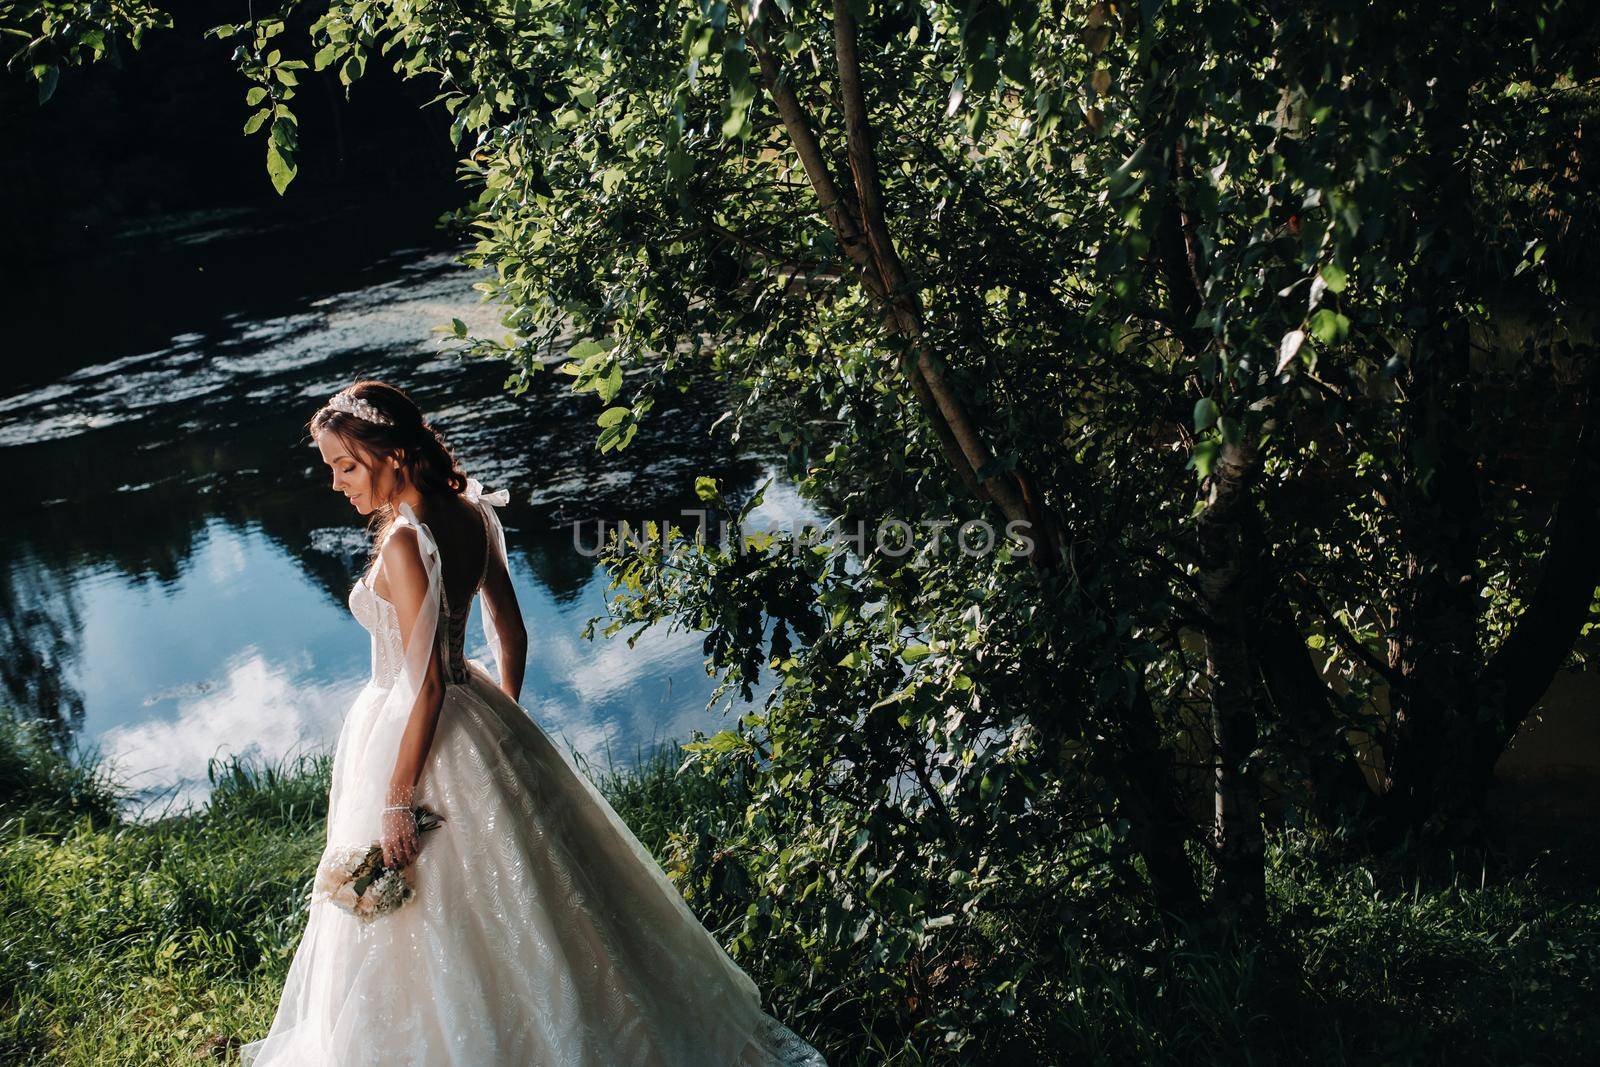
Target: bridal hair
{"x": 379, "y": 421}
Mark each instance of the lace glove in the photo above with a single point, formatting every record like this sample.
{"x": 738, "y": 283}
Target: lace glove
{"x": 400, "y": 840}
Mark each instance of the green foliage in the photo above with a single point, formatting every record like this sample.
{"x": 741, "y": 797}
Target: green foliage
{"x": 40, "y": 791}
{"x": 52, "y": 34}
{"x": 171, "y": 937}
{"x": 168, "y": 936}
{"x": 274, "y": 79}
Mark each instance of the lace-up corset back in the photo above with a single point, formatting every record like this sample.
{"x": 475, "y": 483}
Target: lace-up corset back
{"x": 453, "y": 620}
{"x": 379, "y": 618}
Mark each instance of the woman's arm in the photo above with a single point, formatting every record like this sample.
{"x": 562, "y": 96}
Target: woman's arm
{"x": 501, "y": 598}
{"x": 408, "y": 589}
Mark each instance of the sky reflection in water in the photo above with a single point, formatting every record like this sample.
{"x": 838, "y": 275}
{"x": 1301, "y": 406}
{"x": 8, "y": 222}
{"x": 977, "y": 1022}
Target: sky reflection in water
{"x": 174, "y": 578}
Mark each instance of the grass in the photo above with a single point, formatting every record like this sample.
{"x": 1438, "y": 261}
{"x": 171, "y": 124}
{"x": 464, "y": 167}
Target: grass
{"x": 158, "y": 942}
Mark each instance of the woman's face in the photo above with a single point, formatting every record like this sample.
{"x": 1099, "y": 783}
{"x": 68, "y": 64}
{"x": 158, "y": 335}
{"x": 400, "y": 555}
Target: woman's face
{"x": 367, "y": 488}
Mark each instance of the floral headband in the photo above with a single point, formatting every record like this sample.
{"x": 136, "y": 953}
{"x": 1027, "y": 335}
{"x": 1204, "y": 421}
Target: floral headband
{"x": 346, "y": 401}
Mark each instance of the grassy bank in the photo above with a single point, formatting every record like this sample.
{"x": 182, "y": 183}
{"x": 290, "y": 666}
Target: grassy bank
{"x": 152, "y": 943}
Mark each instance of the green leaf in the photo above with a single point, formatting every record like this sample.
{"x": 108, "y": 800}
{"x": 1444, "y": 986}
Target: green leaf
{"x": 279, "y": 168}
{"x": 253, "y": 123}
{"x": 284, "y": 136}
{"x": 700, "y": 47}
{"x": 913, "y": 653}
{"x": 325, "y": 55}
{"x": 1205, "y": 457}
{"x": 458, "y": 327}
{"x": 255, "y": 96}
{"x": 863, "y": 841}
{"x": 723, "y": 741}
{"x": 351, "y": 69}
{"x": 612, "y": 416}
{"x": 705, "y": 488}
{"x": 983, "y": 75}
{"x": 1206, "y": 414}
{"x": 617, "y": 438}
{"x": 586, "y": 348}
{"x": 1329, "y": 326}
{"x": 608, "y": 387}
{"x": 48, "y": 82}
{"x": 1335, "y": 276}
{"x": 1016, "y": 65}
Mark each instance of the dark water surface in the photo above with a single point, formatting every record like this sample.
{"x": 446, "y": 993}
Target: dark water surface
{"x": 174, "y": 567}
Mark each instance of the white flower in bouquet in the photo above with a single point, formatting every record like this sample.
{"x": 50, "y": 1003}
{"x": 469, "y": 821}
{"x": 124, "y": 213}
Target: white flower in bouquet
{"x": 355, "y": 879}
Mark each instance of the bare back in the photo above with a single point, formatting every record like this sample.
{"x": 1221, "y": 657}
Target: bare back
{"x": 458, "y": 528}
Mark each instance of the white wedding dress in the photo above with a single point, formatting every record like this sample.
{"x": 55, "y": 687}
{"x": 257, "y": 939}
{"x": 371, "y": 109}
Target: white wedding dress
{"x": 542, "y": 933}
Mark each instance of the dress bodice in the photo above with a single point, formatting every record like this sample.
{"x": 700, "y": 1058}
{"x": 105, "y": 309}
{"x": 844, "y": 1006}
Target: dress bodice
{"x": 380, "y": 619}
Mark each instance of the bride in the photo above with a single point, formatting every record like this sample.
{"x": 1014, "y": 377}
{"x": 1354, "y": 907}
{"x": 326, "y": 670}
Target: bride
{"x": 540, "y": 933}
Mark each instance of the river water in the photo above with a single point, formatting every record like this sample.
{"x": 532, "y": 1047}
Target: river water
{"x": 174, "y": 566}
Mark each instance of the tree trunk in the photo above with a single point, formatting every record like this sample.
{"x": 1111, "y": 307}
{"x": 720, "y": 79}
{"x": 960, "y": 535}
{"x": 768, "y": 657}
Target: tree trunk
{"x": 1304, "y": 703}
{"x": 859, "y": 224}
{"x": 1434, "y": 705}
{"x": 1522, "y": 668}
{"x": 1146, "y": 794}
{"x": 1436, "y": 638}
{"x": 1230, "y": 571}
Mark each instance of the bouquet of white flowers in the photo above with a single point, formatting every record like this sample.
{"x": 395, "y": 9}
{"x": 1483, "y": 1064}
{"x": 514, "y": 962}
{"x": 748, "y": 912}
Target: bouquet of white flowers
{"x": 355, "y": 878}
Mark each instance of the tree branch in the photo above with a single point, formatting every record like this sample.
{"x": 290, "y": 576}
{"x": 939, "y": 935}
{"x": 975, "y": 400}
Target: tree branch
{"x": 1521, "y": 669}
{"x": 1346, "y": 639}
{"x": 798, "y": 124}
{"x": 1021, "y": 501}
